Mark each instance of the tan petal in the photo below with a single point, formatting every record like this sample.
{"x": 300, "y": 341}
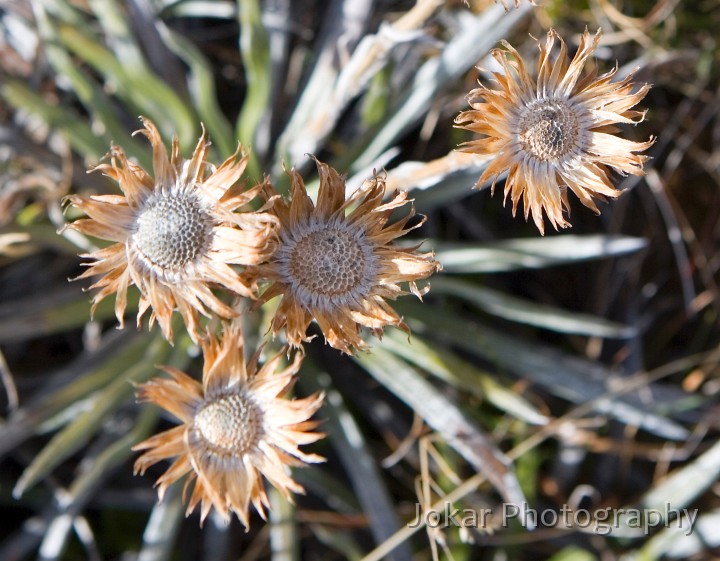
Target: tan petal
{"x": 165, "y": 173}
{"x": 331, "y": 194}
{"x": 223, "y": 181}
{"x": 194, "y": 169}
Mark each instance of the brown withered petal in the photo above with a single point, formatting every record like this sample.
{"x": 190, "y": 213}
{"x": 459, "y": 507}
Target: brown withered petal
{"x": 335, "y": 261}
{"x": 555, "y": 132}
{"x": 176, "y": 234}
{"x": 236, "y": 429}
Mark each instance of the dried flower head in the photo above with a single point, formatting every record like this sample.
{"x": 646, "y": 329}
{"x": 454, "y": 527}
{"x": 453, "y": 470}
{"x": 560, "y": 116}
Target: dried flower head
{"x": 176, "y": 234}
{"x": 235, "y": 429}
{"x": 337, "y": 265}
{"x": 556, "y": 132}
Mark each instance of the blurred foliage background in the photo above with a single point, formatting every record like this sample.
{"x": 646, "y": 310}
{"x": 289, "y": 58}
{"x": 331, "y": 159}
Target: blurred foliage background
{"x": 579, "y": 368}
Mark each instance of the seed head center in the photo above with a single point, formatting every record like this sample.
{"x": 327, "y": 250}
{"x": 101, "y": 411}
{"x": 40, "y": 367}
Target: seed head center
{"x": 329, "y": 262}
{"x": 172, "y": 231}
{"x": 549, "y": 129}
{"x": 232, "y": 423}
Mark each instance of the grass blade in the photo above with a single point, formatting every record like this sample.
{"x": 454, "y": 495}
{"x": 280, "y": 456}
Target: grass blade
{"x": 136, "y": 85}
{"x": 85, "y": 425}
{"x": 443, "y": 416}
{"x": 58, "y": 310}
{"x": 253, "y": 125}
{"x": 367, "y": 482}
{"x": 451, "y": 369}
{"x": 202, "y": 90}
{"x": 470, "y": 44}
{"x": 572, "y": 378}
{"x": 77, "y": 132}
{"x": 532, "y": 253}
{"x": 528, "y": 312}
{"x": 158, "y": 540}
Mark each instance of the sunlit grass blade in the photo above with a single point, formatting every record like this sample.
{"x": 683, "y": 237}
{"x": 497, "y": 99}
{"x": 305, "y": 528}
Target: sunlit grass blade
{"x": 571, "y": 372}
{"x": 343, "y": 24}
{"x": 448, "y": 367}
{"x": 202, "y": 89}
{"x": 58, "y": 310}
{"x": 65, "y": 11}
{"x": 447, "y": 418}
{"x": 98, "y": 104}
{"x": 69, "y": 385}
{"x": 167, "y": 102}
{"x": 686, "y": 483}
{"x": 253, "y": 125}
{"x": 137, "y": 86}
{"x": 98, "y": 469}
{"x": 109, "y": 459}
{"x": 85, "y": 425}
{"x": 309, "y": 129}
{"x": 221, "y": 9}
{"x": 77, "y": 132}
{"x": 676, "y": 491}
{"x": 14, "y": 245}
{"x": 438, "y": 182}
{"x": 347, "y": 438}
{"x": 470, "y": 43}
{"x": 531, "y": 253}
{"x": 682, "y": 542}
{"x": 284, "y": 533}
{"x": 572, "y": 378}
{"x": 158, "y": 540}
{"x": 41, "y": 235}
{"x": 528, "y": 312}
